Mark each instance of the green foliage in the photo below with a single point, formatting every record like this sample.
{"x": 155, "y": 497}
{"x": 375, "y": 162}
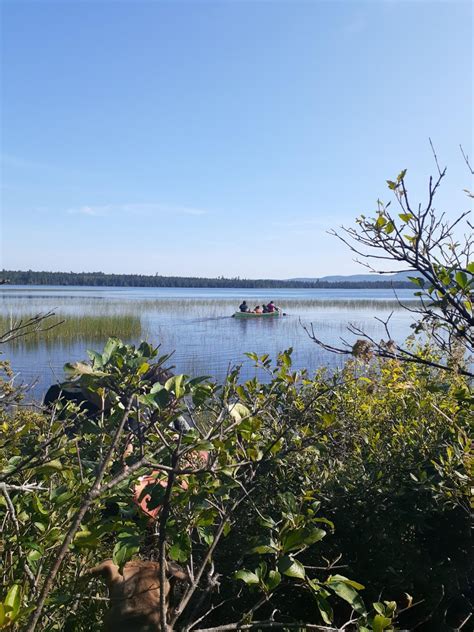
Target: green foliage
{"x": 443, "y": 270}
{"x": 382, "y": 448}
{"x": 51, "y": 465}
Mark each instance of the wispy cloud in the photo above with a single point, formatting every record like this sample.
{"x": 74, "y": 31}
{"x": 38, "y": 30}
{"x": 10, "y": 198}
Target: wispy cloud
{"x": 138, "y": 209}
{"x": 92, "y": 211}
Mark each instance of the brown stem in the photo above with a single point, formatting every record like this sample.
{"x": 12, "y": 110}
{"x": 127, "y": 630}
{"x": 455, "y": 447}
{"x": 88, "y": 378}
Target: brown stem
{"x": 257, "y": 625}
{"x": 164, "y": 515}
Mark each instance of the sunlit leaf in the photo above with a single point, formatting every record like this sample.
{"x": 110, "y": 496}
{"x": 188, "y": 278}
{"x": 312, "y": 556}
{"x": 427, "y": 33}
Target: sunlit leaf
{"x": 291, "y": 567}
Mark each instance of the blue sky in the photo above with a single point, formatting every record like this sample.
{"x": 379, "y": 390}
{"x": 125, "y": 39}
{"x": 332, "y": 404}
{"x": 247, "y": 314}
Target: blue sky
{"x": 222, "y": 138}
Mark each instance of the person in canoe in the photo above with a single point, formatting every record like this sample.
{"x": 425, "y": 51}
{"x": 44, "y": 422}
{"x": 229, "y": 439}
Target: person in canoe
{"x": 271, "y": 307}
{"x": 243, "y": 307}
{"x": 258, "y": 310}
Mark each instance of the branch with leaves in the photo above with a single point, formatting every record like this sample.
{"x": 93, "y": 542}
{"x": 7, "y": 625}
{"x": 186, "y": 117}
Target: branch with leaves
{"x": 430, "y": 246}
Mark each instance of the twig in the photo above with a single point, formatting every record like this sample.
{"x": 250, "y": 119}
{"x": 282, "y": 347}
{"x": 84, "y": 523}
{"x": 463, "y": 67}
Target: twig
{"x": 435, "y": 156}
{"x": 93, "y": 493}
{"x": 11, "y": 508}
{"x": 164, "y": 515}
{"x": 256, "y": 625}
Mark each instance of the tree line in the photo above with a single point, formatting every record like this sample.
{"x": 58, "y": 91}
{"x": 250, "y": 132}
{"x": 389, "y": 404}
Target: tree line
{"x": 101, "y": 279}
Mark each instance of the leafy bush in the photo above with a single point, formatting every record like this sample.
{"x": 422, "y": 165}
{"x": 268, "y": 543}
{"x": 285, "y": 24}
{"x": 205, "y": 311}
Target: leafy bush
{"x": 381, "y": 447}
{"x": 68, "y": 478}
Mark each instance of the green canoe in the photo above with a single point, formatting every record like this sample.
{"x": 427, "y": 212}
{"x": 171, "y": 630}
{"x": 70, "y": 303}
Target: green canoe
{"x": 252, "y": 315}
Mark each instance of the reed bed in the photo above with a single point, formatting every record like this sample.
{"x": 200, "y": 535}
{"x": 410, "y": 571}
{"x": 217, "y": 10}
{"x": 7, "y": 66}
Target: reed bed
{"x": 92, "y": 320}
{"x": 225, "y": 306}
{"x": 197, "y": 306}
{"x": 74, "y": 328}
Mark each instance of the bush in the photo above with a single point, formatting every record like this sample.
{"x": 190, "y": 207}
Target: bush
{"x": 381, "y": 448}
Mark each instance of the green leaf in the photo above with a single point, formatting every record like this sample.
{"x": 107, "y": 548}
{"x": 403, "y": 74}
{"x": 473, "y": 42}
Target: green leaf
{"x": 49, "y": 468}
{"x": 299, "y": 537}
{"x": 161, "y": 396}
{"x": 110, "y": 346}
{"x": 291, "y": 567}
{"x": 13, "y": 601}
{"x": 351, "y": 582}
{"x": 273, "y": 580}
{"x": 266, "y": 521}
{"x": 174, "y": 384}
{"x": 261, "y": 549}
{"x": 405, "y": 217}
{"x": 197, "y": 380}
{"x": 127, "y": 546}
{"x": 238, "y": 411}
{"x": 381, "y": 221}
{"x": 157, "y": 493}
{"x": 417, "y": 281}
{"x": 86, "y": 539}
{"x": 380, "y": 623}
{"x": 324, "y": 608}
{"x": 314, "y": 535}
{"x": 462, "y": 279}
{"x": 390, "y": 607}
{"x": 34, "y": 555}
{"x": 38, "y": 506}
{"x": 348, "y": 593}
{"x": 148, "y": 400}
{"x": 81, "y": 368}
{"x": 247, "y": 577}
{"x": 180, "y": 549}
{"x": 389, "y": 228}
{"x": 143, "y": 368}
{"x": 96, "y": 358}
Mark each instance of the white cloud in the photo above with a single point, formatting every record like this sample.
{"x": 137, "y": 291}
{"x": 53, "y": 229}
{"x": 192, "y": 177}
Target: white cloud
{"x": 87, "y": 210}
{"x": 140, "y": 209}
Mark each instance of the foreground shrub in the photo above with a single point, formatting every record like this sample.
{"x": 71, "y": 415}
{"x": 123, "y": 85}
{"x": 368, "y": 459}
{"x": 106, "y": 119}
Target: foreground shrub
{"x": 68, "y": 499}
{"x": 365, "y": 470}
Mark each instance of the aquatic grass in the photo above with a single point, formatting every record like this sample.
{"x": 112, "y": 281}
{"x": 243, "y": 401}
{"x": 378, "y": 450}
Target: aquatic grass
{"x": 76, "y": 328}
{"x": 197, "y": 307}
{"x": 176, "y": 306}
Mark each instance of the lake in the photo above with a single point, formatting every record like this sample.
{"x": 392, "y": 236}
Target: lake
{"x": 194, "y": 323}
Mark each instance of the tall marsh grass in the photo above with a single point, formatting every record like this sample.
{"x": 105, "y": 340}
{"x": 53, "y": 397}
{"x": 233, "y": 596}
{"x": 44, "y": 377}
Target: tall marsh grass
{"x": 92, "y": 320}
{"x": 75, "y": 328}
{"x": 197, "y": 306}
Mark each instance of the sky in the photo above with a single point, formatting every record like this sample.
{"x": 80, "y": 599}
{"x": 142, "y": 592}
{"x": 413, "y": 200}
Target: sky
{"x": 222, "y": 138}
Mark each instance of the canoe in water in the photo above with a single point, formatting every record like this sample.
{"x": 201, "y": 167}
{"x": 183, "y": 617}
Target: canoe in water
{"x": 253, "y": 315}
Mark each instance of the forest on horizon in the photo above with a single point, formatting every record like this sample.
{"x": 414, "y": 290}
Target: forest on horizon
{"x": 101, "y": 279}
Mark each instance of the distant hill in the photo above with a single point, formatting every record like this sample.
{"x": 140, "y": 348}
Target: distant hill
{"x": 399, "y": 277}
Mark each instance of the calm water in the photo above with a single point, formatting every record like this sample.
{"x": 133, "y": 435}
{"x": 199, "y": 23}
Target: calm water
{"x": 197, "y": 325}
